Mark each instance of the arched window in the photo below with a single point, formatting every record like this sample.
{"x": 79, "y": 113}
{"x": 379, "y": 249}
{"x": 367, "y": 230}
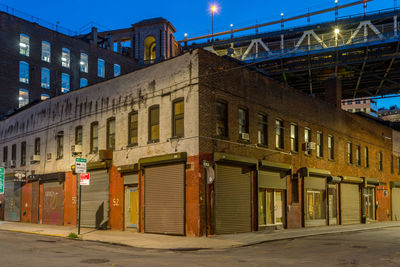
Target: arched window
{"x": 150, "y": 48}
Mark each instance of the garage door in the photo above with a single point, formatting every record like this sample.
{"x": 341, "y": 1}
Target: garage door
{"x": 164, "y": 199}
{"x": 12, "y": 201}
{"x": 232, "y": 200}
{"x": 350, "y": 203}
{"x": 95, "y": 200}
{"x": 53, "y": 203}
{"x": 396, "y": 204}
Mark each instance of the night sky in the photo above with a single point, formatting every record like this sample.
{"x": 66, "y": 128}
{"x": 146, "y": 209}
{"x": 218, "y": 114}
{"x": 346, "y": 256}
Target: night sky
{"x": 192, "y": 17}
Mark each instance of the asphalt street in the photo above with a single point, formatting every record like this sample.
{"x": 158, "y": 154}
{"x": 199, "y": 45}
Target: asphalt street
{"x": 368, "y": 248}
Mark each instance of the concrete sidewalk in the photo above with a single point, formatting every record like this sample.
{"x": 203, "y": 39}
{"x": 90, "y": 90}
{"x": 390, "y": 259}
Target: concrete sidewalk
{"x": 151, "y": 241}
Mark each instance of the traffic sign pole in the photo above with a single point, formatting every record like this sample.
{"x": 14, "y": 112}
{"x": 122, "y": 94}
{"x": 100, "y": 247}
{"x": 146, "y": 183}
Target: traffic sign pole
{"x": 79, "y": 203}
{"x": 2, "y": 182}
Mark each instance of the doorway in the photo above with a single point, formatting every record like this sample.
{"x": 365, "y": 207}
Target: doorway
{"x": 131, "y": 207}
{"x": 271, "y": 205}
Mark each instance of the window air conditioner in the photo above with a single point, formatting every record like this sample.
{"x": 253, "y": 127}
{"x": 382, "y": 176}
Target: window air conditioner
{"x": 245, "y": 136}
{"x": 76, "y": 149}
{"x": 35, "y": 158}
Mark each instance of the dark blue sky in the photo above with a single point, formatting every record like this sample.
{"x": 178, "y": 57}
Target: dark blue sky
{"x": 192, "y": 17}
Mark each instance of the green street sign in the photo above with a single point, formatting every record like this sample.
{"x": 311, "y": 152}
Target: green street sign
{"x": 2, "y": 180}
{"x": 80, "y": 160}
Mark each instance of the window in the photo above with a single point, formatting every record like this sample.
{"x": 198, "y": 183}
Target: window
{"x": 133, "y": 128}
{"x": 14, "y": 152}
{"x": 358, "y": 102}
{"x": 23, "y": 153}
{"x": 65, "y": 84}
{"x": 222, "y": 119}
{"x": 46, "y": 51}
{"x": 331, "y": 147}
{"x": 100, "y": 68}
{"x": 24, "y": 44}
{"x": 398, "y": 165}
{"x": 380, "y": 158}
{"x": 358, "y": 155}
{"x": 45, "y": 78}
{"x": 279, "y": 134}
{"x": 178, "y": 118}
{"x": 349, "y": 102}
{"x": 5, "y": 154}
{"x": 60, "y": 145}
{"x": 94, "y": 137}
{"x": 294, "y": 138}
{"x": 78, "y": 135}
{"x": 320, "y": 145}
{"x": 307, "y": 139}
{"x": 23, "y": 72}
{"x": 366, "y": 157}
{"x": 65, "y": 57}
{"x": 350, "y": 153}
{"x": 358, "y": 110}
{"x": 23, "y": 98}
{"x": 37, "y": 146}
{"x": 150, "y": 49}
{"x": 262, "y": 129}
{"x": 44, "y": 96}
{"x": 154, "y": 124}
{"x": 391, "y": 164}
{"x": 117, "y": 70}
{"x": 83, "y": 82}
{"x": 111, "y": 133}
{"x": 84, "y": 63}
{"x": 243, "y": 122}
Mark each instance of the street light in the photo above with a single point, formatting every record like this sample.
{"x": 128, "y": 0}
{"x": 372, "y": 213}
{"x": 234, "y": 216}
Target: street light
{"x": 336, "y": 9}
{"x": 231, "y": 30}
{"x": 282, "y": 20}
{"x": 214, "y": 9}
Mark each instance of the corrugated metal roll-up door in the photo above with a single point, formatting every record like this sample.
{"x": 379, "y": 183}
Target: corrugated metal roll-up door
{"x": 232, "y": 199}
{"x": 95, "y": 200}
{"x": 164, "y": 199}
{"x": 314, "y": 183}
{"x": 350, "y": 208}
{"x": 12, "y": 199}
{"x": 53, "y": 203}
{"x": 273, "y": 180}
{"x": 35, "y": 202}
{"x": 396, "y": 204}
{"x": 131, "y": 178}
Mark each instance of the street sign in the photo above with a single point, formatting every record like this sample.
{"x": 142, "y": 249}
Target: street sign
{"x": 1, "y": 180}
{"x": 85, "y": 179}
{"x": 80, "y": 165}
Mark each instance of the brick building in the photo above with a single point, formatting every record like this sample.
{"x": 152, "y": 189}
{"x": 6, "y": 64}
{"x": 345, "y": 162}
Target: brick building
{"x": 392, "y": 114}
{"x": 198, "y": 145}
{"x": 365, "y": 105}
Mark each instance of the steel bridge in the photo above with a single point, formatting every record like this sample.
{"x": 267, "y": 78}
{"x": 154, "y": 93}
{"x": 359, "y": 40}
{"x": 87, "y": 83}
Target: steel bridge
{"x": 362, "y": 50}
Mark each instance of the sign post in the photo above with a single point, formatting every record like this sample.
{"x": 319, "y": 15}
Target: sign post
{"x": 80, "y": 167}
{"x": 1, "y": 180}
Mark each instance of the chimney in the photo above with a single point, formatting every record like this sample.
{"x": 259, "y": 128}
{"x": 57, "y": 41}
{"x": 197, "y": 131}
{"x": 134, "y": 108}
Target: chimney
{"x": 93, "y": 36}
{"x": 333, "y": 90}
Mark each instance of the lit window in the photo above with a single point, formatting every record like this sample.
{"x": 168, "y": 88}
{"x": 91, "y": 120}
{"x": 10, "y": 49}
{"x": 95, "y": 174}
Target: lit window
{"x": 262, "y": 129}
{"x": 100, "y": 68}
{"x": 350, "y": 153}
{"x": 294, "y": 138}
{"x": 45, "y": 78}
{"x": 44, "y": 96}
{"x": 23, "y": 72}
{"x": 279, "y": 142}
{"x": 65, "y": 85}
{"x": 133, "y": 128}
{"x": 23, "y": 98}
{"x": 111, "y": 133}
{"x": 65, "y": 57}
{"x": 46, "y": 51}
{"x": 83, "y": 82}
{"x": 178, "y": 118}
{"x": 84, "y": 64}
{"x": 358, "y": 155}
{"x": 94, "y": 137}
{"x": 154, "y": 124}
{"x": 117, "y": 70}
{"x": 320, "y": 145}
{"x": 331, "y": 147}
{"x": 307, "y": 139}
{"x": 243, "y": 122}
{"x": 24, "y": 44}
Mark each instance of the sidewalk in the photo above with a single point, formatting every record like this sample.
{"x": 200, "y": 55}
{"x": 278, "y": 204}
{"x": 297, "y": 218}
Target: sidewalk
{"x": 151, "y": 241}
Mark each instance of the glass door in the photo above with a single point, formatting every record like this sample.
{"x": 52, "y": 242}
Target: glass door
{"x": 270, "y": 207}
{"x": 369, "y": 199}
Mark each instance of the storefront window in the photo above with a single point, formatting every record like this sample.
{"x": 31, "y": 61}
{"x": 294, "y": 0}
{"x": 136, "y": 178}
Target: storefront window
{"x": 270, "y": 206}
{"x": 315, "y": 204}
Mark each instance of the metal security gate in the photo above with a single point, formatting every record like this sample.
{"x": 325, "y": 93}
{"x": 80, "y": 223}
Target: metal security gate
{"x": 396, "y": 204}
{"x": 350, "y": 207}
{"x": 12, "y": 199}
{"x": 164, "y": 199}
{"x": 35, "y": 202}
{"x": 95, "y": 200}
{"x": 232, "y": 199}
{"x": 53, "y": 203}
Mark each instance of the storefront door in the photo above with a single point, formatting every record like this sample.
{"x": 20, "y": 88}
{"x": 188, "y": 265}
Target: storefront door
{"x": 132, "y": 197}
{"x": 271, "y": 207}
{"x": 332, "y": 204}
{"x": 369, "y": 203}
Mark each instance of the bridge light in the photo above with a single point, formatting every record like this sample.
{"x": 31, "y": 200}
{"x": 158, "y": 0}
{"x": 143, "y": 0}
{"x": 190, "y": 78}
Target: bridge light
{"x": 214, "y": 8}
{"x": 185, "y": 35}
{"x": 336, "y": 1}
{"x": 337, "y": 31}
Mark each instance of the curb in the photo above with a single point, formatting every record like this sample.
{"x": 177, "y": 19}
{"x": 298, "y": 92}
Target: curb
{"x": 33, "y": 233}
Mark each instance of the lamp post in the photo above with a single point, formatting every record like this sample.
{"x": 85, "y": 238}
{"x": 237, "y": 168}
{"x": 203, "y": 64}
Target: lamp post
{"x": 231, "y": 30}
{"x": 336, "y": 9}
{"x": 213, "y": 10}
{"x": 282, "y": 21}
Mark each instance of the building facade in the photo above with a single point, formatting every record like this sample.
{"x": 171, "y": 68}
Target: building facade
{"x": 198, "y": 145}
{"x": 392, "y": 114}
{"x": 365, "y": 105}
